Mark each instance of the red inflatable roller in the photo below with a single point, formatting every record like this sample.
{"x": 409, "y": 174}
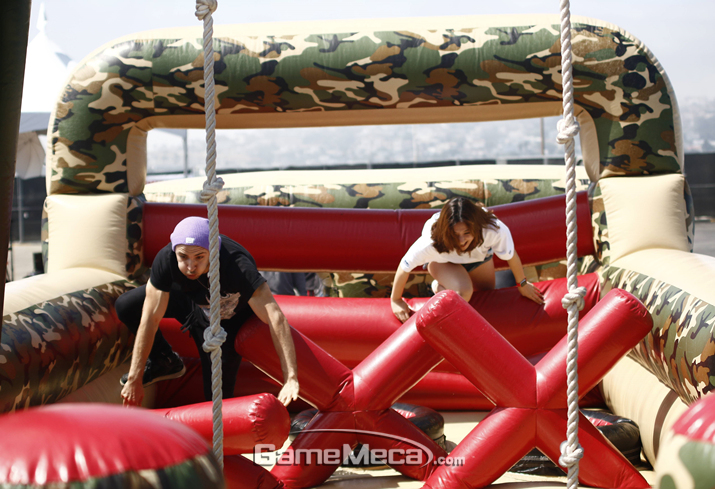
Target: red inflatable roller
{"x": 247, "y": 421}
{"x": 529, "y": 396}
{"x": 103, "y": 446}
{"x": 376, "y": 238}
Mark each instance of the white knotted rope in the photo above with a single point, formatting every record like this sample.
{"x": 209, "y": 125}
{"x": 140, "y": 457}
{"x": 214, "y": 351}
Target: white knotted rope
{"x": 214, "y": 335}
{"x": 571, "y": 451}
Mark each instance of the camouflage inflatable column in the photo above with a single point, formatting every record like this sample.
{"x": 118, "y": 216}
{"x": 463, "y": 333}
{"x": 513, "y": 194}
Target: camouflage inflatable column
{"x": 402, "y": 71}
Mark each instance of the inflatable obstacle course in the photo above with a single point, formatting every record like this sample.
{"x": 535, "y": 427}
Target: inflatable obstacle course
{"x": 385, "y": 71}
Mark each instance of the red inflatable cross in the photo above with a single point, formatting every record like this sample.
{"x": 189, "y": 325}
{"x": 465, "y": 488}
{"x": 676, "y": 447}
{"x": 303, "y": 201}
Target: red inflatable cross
{"x": 354, "y": 405}
{"x": 531, "y": 404}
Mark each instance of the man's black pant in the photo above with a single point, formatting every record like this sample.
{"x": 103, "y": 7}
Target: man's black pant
{"x": 129, "y": 310}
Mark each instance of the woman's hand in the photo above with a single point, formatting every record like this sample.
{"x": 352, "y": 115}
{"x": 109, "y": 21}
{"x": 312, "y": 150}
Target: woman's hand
{"x": 400, "y": 309}
{"x": 530, "y": 291}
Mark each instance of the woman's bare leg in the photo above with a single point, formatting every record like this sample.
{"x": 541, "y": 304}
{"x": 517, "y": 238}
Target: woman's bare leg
{"x": 453, "y": 277}
{"x": 483, "y": 277}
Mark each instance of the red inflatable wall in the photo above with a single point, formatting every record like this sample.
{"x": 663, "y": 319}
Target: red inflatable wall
{"x": 363, "y": 240}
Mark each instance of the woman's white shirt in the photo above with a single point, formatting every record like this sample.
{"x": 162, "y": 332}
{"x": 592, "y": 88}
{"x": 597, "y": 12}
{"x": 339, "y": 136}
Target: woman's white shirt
{"x": 497, "y": 240}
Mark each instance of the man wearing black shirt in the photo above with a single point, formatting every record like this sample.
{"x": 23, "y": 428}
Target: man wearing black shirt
{"x": 179, "y": 288}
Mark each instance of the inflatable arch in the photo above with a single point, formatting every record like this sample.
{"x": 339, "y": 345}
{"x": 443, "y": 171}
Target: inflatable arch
{"x": 61, "y": 338}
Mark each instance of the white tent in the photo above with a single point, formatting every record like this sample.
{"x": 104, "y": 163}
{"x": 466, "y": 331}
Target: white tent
{"x": 46, "y": 70}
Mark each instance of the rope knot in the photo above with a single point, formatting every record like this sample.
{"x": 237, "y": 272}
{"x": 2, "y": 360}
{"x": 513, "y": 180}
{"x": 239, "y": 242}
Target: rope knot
{"x": 569, "y": 456}
{"x": 211, "y": 189}
{"x": 574, "y": 296}
{"x": 213, "y": 341}
{"x": 205, "y": 7}
{"x": 568, "y": 130}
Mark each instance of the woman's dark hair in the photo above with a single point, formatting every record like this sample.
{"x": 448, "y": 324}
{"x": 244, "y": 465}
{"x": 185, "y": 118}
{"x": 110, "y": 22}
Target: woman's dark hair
{"x": 461, "y": 209}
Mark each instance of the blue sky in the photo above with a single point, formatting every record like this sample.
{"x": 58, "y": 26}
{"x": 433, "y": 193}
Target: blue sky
{"x": 676, "y": 31}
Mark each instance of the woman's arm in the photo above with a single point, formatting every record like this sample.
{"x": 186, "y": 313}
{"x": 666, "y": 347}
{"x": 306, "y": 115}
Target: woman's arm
{"x": 399, "y": 307}
{"x": 153, "y": 310}
{"x": 266, "y": 308}
{"x": 528, "y": 290}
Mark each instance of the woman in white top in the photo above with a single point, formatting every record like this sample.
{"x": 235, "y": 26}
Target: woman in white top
{"x": 456, "y": 247}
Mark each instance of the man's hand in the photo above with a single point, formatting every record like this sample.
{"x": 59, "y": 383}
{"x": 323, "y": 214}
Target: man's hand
{"x": 400, "y": 309}
{"x": 530, "y": 291}
{"x": 133, "y": 393}
{"x": 289, "y": 391}
{"x": 266, "y": 308}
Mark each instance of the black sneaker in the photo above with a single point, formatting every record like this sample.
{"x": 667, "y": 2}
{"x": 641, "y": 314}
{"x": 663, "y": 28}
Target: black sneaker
{"x": 162, "y": 368}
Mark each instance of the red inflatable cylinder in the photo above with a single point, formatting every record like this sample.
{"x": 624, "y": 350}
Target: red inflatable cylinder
{"x": 490, "y": 453}
{"x": 602, "y": 465}
{"x": 607, "y": 333}
{"x": 376, "y": 238}
{"x": 483, "y": 356}
{"x": 247, "y": 421}
{"x": 393, "y": 368}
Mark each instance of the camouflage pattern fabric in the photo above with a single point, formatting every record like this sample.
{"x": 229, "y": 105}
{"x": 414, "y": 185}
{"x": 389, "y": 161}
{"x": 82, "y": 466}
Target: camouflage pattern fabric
{"x": 51, "y": 349}
{"x": 599, "y": 224}
{"x": 617, "y": 82}
{"x": 387, "y": 195}
{"x": 684, "y": 463}
{"x": 374, "y": 285}
{"x": 680, "y": 350}
{"x": 379, "y": 285}
{"x": 135, "y": 255}
{"x": 201, "y": 472}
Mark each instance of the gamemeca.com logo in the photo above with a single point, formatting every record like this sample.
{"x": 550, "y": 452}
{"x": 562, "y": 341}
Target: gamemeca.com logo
{"x": 406, "y": 452}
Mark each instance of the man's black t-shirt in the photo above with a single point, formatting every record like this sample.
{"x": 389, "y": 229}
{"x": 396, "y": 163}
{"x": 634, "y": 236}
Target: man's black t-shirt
{"x": 239, "y": 279}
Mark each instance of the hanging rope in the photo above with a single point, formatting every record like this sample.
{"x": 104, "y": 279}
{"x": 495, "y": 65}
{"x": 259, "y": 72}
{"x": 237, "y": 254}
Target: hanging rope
{"x": 214, "y": 336}
{"x": 571, "y": 451}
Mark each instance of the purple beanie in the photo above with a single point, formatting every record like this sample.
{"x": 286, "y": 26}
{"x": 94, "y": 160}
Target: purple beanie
{"x": 192, "y": 231}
